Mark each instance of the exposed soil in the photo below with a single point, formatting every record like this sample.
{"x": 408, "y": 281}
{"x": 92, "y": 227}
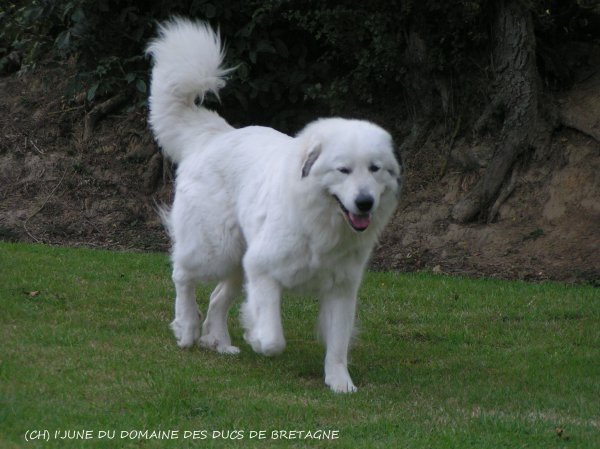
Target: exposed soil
{"x": 57, "y": 187}
{"x": 549, "y": 228}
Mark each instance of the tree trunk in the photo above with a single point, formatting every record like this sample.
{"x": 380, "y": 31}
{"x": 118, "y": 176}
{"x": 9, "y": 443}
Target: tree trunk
{"x": 515, "y": 99}
{"x": 420, "y": 96}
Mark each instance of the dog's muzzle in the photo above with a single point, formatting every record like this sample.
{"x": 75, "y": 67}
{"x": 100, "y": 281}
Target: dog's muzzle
{"x": 358, "y": 222}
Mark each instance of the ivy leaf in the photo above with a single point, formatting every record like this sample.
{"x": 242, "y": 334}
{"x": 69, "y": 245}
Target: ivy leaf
{"x": 91, "y": 93}
{"x": 78, "y": 16}
{"x": 265, "y": 46}
{"x": 242, "y": 72}
{"x": 63, "y": 40}
{"x": 140, "y": 85}
{"x": 241, "y": 98}
{"x": 282, "y": 49}
{"x": 210, "y": 11}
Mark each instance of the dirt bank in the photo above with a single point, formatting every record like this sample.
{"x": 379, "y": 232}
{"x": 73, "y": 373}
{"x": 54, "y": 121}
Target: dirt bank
{"x": 57, "y": 187}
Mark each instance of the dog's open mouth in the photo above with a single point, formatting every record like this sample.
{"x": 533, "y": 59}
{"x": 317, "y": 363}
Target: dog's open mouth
{"x": 358, "y": 222}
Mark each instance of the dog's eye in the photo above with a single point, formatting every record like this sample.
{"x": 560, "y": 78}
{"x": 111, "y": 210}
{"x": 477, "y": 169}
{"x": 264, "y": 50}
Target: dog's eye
{"x": 373, "y": 168}
{"x": 344, "y": 170}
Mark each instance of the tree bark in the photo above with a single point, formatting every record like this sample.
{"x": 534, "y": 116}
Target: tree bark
{"x": 516, "y": 99}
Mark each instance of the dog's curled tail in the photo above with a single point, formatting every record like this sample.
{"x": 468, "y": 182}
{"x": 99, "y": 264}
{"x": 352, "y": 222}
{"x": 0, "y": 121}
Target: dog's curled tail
{"x": 188, "y": 60}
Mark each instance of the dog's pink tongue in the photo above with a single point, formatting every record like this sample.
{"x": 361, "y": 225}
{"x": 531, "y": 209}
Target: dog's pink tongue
{"x": 360, "y": 221}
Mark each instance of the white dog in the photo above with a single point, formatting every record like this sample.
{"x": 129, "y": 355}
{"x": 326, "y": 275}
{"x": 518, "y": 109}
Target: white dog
{"x": 254, "y": 206}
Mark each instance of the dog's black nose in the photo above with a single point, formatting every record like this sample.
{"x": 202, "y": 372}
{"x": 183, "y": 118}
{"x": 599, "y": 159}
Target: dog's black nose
{"x": 364, "y": 202}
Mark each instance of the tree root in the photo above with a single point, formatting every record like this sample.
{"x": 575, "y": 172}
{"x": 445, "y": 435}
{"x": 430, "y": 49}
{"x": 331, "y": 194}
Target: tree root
{"x": 101, "y": 110}
{"x": 449, "y": 147}
{"x": 517, "y": 95}
{"x": 506, "y": 192}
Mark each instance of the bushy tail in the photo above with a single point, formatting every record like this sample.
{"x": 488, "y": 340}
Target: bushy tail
{"x": 187, "y": 65}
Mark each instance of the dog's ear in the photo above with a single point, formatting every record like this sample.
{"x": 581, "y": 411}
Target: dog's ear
{"x": 311, "y": 158}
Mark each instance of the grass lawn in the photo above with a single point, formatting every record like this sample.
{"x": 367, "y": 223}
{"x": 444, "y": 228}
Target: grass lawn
{"x": 440, "y": 362}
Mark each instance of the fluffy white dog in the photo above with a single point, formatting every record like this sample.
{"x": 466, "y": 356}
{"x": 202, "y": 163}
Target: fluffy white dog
{"x": 254, "y": 206}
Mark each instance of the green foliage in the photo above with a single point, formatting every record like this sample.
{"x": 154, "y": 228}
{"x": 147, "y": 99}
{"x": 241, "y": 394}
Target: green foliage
{"x": 335, "y": 56}
{"x": 105, "y": 44}
{"x": 558, "y": 25}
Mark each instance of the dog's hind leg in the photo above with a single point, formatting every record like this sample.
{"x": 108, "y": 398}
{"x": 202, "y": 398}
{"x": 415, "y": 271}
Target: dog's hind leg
{"x": 215, "y": 335}
{"x": 186, "y": 325}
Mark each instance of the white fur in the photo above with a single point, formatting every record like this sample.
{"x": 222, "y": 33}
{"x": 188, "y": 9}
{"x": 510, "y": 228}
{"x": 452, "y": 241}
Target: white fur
{"x": 257, "y": 206}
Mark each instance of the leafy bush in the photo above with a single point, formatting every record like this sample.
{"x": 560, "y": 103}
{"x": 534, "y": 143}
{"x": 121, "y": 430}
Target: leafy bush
{"x": 291, "y": 56}
{"x": 105, "y": 44}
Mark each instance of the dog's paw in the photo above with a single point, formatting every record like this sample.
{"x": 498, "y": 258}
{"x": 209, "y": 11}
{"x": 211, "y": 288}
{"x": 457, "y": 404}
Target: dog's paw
{"x": 342, "y": 386}
{"x": 186, "y": 333}
{"x": 338, "y": 379}
{"x": 218, "y": 344}
{"x": 265, "y": 346}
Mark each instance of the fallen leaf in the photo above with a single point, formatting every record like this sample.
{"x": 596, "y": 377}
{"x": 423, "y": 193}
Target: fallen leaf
{"x": 560, "y": 433}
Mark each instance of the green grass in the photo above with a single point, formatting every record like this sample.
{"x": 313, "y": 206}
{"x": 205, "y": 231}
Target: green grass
{"x": 440, "y": 362}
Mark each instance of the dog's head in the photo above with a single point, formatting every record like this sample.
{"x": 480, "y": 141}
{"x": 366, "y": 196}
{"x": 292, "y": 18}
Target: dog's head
{"x": 356, "y": 165}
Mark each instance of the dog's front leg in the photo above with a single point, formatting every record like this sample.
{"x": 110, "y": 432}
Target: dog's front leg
{"x": 336, "y": 320}
{"x": 261, "y": 316}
